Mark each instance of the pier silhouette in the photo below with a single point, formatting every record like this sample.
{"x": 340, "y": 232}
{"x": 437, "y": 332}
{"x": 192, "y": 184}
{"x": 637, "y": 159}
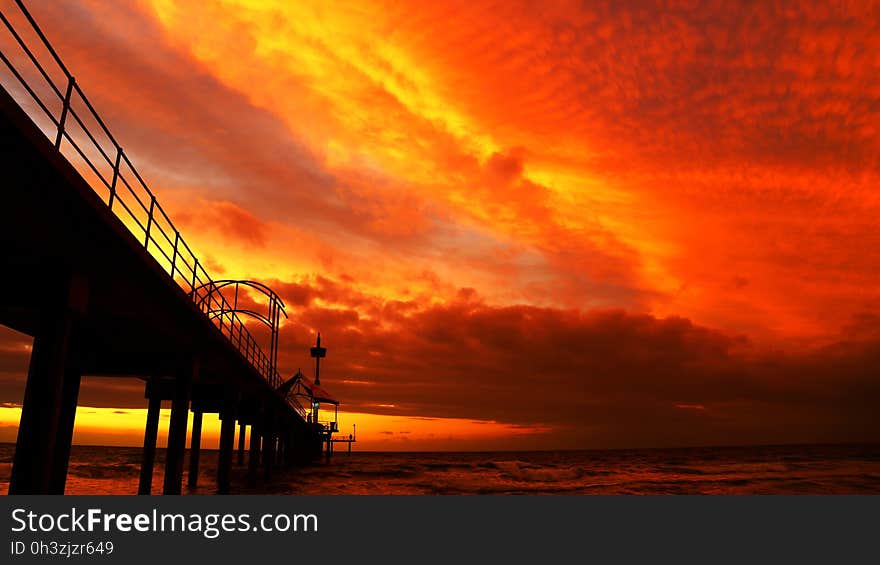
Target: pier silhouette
{"x": 96, "y": 272}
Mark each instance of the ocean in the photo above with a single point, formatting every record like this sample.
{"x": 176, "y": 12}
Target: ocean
{"x": 796, "y": 469}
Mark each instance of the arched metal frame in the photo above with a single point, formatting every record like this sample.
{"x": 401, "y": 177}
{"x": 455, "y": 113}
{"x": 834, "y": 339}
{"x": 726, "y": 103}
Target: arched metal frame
{"x": 271, "y": 319}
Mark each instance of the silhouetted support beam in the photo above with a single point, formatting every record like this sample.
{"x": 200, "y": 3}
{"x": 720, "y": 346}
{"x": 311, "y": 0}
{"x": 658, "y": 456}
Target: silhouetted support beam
{"x": 151, "y": 430}
{"x": 305, "y": 443}
{"x": 45, "y": 413}
{"x": 66, "y": 421}
{"x": 241, "y": 432}
{"x": 254, "y": 456}
{"x": 227, "y": 441}
{"x": 288, "y": 448}
{"x": 177, "y": 426}
{"x": 268, "y": 448}
{"x": 195, "y": 449}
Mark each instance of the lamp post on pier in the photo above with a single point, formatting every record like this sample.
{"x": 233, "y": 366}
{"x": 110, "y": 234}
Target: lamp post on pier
{"x": 318, "y": 353}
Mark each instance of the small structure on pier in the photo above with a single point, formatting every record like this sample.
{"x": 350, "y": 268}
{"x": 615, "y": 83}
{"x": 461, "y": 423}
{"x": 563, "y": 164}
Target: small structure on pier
{"x": 311, "y": 393}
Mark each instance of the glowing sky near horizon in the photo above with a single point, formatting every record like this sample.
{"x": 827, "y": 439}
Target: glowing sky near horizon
{"x": 581, "y": 220}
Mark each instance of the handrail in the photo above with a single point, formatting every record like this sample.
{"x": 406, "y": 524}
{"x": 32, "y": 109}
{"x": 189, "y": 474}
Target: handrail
{"x": 127, "y": 194}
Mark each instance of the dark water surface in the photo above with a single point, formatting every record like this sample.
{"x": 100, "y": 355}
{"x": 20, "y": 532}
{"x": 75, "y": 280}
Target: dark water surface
{"x": 801, "y": 469}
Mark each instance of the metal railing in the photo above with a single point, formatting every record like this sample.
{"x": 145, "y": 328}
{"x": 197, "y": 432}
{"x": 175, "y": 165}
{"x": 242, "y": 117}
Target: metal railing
{"x": 103, "y": 164}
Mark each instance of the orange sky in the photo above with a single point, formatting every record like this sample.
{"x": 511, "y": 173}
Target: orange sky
{"x": 579, "y": 224}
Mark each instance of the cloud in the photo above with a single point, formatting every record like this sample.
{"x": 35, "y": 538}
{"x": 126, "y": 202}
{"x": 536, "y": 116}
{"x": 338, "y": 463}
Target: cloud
{"x": 640, "y": 156}
{"x": 606, "y": 377}
{"x": 227, "y": 221}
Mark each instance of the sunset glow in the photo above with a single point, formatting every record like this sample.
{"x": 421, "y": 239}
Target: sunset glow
{"x": 516, "y": 224}
{"x": 124, "y": 427}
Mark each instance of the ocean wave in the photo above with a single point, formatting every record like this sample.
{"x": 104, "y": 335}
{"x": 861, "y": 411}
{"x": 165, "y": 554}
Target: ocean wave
{"x": 103, "y": 471}
{"x": 740, "y": 470}
{"x": 529, "y": 472}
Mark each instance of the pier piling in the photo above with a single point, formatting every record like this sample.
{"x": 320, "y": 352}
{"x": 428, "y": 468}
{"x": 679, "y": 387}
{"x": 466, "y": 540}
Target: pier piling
{"x": 254, "y": 456}
{"x": 151, "y": 430}
{"x": 241, "y": 433}
{"x": 227, "y": 440}
{"x": 45, "y": 411}
{"x": 195, "y": 450}
{"x": 66, "y": 420}
{"x": 177, "y": 426}
{"x": 268, "y": 448}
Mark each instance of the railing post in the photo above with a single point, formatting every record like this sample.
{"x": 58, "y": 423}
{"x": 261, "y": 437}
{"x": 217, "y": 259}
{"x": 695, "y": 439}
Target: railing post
{"x": 174, "y": 255}
{"x": 149, "y": 222}
{"x": 64, "y": 108}
{"x": 115, "y": 178}
{"x": 192, "y": 286}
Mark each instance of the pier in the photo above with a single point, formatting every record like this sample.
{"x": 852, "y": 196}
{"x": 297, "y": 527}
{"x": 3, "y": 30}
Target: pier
{"x": 96, "y": 272}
